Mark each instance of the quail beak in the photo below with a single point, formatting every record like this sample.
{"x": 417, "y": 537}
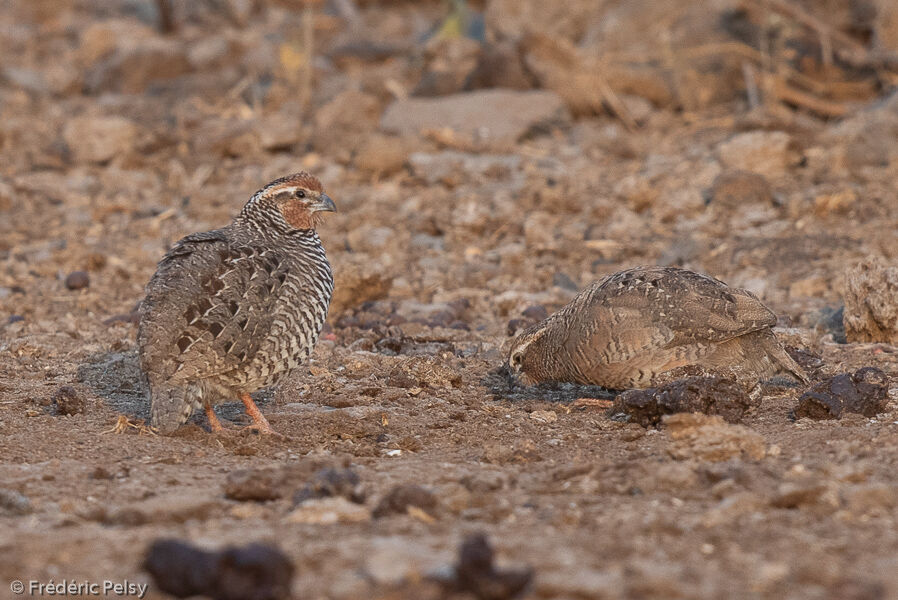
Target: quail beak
{"x": 324, "y": 204}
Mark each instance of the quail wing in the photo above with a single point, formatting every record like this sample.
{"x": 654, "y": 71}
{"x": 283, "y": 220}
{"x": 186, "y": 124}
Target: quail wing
{"x": 208, "y": 307}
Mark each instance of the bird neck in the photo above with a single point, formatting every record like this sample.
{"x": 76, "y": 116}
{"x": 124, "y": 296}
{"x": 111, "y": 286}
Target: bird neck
{"x": 269, "y": 224}
{"x": 555, "y": 363}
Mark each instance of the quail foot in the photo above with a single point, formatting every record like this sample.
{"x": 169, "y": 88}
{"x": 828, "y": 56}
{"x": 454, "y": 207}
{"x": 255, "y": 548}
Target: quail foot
{"x": 631, "y": 327}
{"x": 235, "y": 310}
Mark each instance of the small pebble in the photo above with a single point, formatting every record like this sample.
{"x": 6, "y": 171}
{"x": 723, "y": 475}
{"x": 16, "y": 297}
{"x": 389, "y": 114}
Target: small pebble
{"x": 401, "y": 497}
{"x": 257, "y": 485}
{"x": 516, "y": 325}
{"x": 544, "y": 416}
{"x": 537, "y": 312}
{"x": 67, "y": 401}
{"x": 77, "y": 280}
{"x": 332, "y": 482}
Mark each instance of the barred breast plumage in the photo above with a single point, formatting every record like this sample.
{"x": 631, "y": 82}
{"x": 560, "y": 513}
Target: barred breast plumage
{"x": 630, "y": 327}
{"x": 234, "y": 310}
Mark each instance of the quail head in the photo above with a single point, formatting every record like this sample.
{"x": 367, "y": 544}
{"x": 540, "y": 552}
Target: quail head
{"x": 235, "y": 310}
{"x": 627, "y": 329}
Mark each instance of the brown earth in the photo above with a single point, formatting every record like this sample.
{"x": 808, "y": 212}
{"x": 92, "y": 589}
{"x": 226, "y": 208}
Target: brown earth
{"x": 116, "y": 140}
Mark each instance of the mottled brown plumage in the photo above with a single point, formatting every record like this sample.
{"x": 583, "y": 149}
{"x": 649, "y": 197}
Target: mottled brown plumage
{"x": 630, "y": 327}
{"x": 234, "y": 310}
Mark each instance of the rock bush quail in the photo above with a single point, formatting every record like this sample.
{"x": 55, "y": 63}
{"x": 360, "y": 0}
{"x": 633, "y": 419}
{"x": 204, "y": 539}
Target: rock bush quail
{"x": 235, "y": 310}
{"x": 625, "y": 330}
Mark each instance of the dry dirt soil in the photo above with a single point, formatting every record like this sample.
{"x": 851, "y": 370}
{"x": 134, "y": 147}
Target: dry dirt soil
{"x": 116, "y": 140}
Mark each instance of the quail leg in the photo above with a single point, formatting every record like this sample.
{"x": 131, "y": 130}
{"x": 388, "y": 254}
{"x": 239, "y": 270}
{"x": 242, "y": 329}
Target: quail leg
{"x": 260, "y": 423}
{"x": 214, "y": 423}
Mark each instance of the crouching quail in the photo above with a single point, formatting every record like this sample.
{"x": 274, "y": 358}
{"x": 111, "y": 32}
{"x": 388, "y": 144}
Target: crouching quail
{"x": 235, "y": 310}
{"x": 625, "y": 330}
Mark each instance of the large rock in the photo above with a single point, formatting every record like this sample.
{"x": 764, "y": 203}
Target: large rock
{"x": 356, "y": 283}
{"x": 767, "y": 153}
{"x": 871, "y": 303}
{"x": 495, "y": 118}
{"x": 866, "y": 392}
{"x": 709, "y": 395}
{"x": 97, "y": 139}
{"x": 709, "y": 438}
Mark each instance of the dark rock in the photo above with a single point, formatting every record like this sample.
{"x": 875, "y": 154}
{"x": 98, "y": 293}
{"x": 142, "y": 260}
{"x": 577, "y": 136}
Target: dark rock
{"x": 499, "y": 66}
{"x": 253, "y": 572}
{"x": 330, "y": 482}
{"x": 67, "y": 401}
{"x": 709, "y": 395}
{"x": 866, "y": 392}
{"x": 401, "y": 497}
{"x": 536, "y": 312}
{"x": 14, "y": 319}
{"x": 77, "y": 280}
{"x": 180, "y": 569}
{"x": 531, "y": 315}
{"x": 254, "y": 484}
{"x": 475, "y": 573}
{"x": 516, "y": 325}
{"x": 100, "y": 473}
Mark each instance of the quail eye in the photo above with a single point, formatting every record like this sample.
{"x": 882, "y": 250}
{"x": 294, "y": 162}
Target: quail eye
{"x": 300, "y": 193}
{"x": 516, "y": 359}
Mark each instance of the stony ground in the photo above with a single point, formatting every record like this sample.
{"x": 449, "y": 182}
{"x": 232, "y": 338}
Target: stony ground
{"x": 462, "y": 219}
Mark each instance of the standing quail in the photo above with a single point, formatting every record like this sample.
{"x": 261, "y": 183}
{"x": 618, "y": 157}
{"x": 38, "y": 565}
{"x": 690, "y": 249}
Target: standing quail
{"x": 623, "y": 331}
{"x": 234, "y": 310}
